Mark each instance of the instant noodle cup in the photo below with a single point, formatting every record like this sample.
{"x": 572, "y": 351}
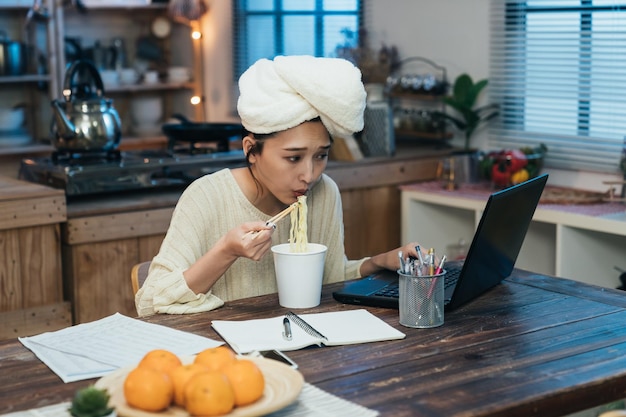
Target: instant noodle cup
{"x": 299, "y": 275}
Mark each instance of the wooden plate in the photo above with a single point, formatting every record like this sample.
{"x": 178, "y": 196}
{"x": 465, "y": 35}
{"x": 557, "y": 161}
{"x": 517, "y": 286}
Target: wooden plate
{"x": 282, "y": 386}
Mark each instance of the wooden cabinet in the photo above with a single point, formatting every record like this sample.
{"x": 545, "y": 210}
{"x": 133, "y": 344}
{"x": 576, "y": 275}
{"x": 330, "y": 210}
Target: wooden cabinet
{"x": 31, "y": 300}
{"x": 104, "y": 238}
{"x": 584, "y": 243}
{"x": 100, "y": 246}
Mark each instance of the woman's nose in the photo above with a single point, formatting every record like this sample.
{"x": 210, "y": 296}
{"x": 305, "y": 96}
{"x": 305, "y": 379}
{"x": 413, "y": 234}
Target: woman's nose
{"x": 307, "y": 172}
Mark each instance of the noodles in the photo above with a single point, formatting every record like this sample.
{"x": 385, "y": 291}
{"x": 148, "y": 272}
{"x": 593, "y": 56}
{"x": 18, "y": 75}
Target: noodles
{"x": 298, "y": 233}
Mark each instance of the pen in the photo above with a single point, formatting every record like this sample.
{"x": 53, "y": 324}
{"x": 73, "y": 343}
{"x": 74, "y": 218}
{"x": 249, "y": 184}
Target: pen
{"x": 431, "y": 261}
{"x": 419, "y": 254}
{"x": 287, "y": 329}
{"x": 401, "y": 258}
{"x": 440, "y": 267}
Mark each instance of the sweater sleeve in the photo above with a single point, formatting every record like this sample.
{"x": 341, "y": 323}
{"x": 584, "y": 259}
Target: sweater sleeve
{"x": 165, "y": 289}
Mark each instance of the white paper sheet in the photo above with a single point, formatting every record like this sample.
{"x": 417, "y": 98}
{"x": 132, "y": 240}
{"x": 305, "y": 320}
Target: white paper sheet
{"x": 94, "y": 349}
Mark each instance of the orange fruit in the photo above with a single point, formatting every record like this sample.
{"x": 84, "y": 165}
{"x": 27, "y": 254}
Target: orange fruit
{"x": 247, "y": 381}
{"x": 215, "y": 358}
{"x": 209, "y": 394}
{"x": 180, "y": 377}
{"x": 148, "y": 389}
{"x": 161, "y": 360}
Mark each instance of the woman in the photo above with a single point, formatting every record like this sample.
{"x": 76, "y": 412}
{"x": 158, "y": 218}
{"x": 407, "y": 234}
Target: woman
{"x": 292, "y": 106}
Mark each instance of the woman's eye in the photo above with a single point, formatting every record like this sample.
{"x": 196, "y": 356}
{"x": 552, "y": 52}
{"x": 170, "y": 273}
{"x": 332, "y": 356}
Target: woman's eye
{"x": 322, "y": 155}
{"x": 293, "y": 158}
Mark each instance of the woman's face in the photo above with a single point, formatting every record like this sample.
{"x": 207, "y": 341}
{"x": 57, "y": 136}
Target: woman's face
{"x": 292, "y": 161}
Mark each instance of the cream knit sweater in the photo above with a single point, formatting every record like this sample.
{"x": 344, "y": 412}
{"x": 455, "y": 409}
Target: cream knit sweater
{"x": 211, "y": 206}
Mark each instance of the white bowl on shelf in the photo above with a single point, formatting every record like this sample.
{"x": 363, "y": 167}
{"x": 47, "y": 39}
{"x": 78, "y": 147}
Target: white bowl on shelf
{"x": 146, "y": 130}
{"x": 129, "y": 76}
{"x": 110, "y": 78}
{"x": 151, "y": 77}
{"x": 178, "y": 74}
{"x": 146, "y": 110}
{"x": 11, "y": 119}
{"x": 13, "y": 138}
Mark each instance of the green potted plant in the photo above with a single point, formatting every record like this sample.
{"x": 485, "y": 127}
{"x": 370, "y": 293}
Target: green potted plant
{"x": 91, "y": 402}
{"x": 463, "y": 100}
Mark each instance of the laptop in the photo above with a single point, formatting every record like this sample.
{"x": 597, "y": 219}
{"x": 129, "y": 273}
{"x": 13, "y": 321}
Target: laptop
{"x": 490, "y": 258}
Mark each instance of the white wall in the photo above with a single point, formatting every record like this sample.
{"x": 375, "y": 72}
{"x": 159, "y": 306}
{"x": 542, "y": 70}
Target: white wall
{"x": 453, "y": 33}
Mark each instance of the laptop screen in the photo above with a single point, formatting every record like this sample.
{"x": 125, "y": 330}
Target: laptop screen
{"x": 498, "y": 239}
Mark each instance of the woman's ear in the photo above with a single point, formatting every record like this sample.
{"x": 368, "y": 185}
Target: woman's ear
{"x": 247, "y": 144}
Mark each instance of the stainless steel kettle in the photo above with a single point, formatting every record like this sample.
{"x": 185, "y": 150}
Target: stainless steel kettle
{"x": 85, "y": 120}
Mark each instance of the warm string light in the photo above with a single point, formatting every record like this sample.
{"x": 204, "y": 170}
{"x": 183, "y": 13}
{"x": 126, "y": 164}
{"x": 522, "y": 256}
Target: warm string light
{"x": 196, "y": 35}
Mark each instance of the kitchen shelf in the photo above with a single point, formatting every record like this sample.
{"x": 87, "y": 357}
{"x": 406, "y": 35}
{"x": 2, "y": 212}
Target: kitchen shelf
{"x": 140, "y": 88}
{"x": 28, "y": 78}
{"x": 36, "y": 86}
{"x": 126, "y": 7}
{"x": 415, "y": 96}
{"x": 417, "y": 107}
{"x": 132, "y": 23}
{"x": 424, "y": 135}
{"x": 26, "y": 150}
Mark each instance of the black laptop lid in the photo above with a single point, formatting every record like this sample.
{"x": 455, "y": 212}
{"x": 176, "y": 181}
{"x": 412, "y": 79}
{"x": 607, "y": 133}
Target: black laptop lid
{"x": 498, "y": 239}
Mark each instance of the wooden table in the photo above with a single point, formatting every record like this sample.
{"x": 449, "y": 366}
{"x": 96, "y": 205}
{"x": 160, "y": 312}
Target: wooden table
{"x": 534, "y": 345}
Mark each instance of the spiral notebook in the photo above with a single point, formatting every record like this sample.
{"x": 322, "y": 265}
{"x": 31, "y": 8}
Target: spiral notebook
{"x": 330, "y": 329}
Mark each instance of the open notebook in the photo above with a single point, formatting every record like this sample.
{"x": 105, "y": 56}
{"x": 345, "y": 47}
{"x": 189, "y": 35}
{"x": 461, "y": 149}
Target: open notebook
{"x": 490, "y": 258}
{"x": 331, "y": 328}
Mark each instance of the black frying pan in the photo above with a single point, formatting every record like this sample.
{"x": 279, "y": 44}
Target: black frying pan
{"x": 192, "y": 133}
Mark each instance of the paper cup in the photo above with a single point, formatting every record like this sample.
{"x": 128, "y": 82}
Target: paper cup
{"x": 299, "y": 275}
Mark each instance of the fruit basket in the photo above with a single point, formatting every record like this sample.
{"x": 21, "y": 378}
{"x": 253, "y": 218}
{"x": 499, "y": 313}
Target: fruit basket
{"x": 508, "y": 167}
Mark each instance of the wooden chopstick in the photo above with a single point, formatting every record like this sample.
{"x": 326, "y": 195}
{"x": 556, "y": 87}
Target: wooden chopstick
{"x": 275, "y": 219}
{"x": 283, "y": 213}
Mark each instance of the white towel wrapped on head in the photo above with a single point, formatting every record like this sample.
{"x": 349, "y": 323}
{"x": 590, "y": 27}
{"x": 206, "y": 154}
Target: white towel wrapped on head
{"x": 283, "y": 93}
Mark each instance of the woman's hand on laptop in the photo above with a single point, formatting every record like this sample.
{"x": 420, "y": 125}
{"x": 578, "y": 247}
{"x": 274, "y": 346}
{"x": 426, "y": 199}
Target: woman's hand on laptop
{"x": 391, "y": 260}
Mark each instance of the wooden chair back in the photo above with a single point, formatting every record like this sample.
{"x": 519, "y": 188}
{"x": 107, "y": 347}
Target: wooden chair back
{"x": 138, "y": 275}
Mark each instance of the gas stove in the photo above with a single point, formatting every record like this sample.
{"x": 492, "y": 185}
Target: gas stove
{"x": 115, "y": 171}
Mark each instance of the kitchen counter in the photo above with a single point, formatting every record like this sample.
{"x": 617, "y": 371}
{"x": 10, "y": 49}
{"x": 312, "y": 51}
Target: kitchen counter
{"x": 584, "y": 242}
{"x": 366, "y": 173}
{"x": 32, "y": 298}
{"x": 105, "y": 236}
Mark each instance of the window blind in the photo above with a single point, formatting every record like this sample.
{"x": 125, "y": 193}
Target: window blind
{"x": 558, "y": 72}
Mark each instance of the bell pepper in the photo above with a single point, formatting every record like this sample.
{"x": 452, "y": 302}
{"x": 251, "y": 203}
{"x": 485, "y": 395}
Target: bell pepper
{"x": 516, "y": 159}
{"x": 500, "y": 174}
{"x": 519, "y": 176}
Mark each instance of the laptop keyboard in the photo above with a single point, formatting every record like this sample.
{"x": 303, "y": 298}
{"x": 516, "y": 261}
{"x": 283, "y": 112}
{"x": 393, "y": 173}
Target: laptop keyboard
{"x": 392, "y": 290}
